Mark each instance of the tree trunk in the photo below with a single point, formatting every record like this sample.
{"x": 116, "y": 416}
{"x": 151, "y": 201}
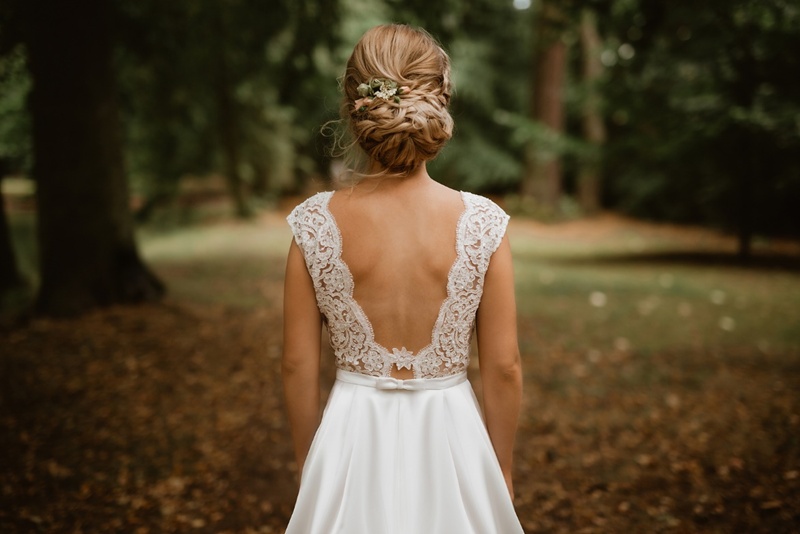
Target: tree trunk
{"x": 88, "y": 256}
{"x": 745, "y": 159}
{"x": 228, "y": 129}
{"x": 261, "y": 181}
{"x": 10, "y": 277}
{"x": 228, "y": 123}
{"x": 594, "y": 129}
{"x": 750, "y": 169}
{"x": 542, "y": 178}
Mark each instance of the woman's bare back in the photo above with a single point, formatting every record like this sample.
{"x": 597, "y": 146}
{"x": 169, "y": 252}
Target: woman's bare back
{"x": 399, "y": 242}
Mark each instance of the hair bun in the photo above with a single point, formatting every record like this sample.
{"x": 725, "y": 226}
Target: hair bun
{"x": 400, "y": 132}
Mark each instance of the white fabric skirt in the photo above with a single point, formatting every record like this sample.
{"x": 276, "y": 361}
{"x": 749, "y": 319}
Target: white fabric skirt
{"x": 402, "y": 457}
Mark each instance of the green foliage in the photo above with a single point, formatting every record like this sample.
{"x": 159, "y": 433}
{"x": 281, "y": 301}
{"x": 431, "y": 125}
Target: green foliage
{"x": 704, "y": 115}
{"x": 15, "y": 84}
{"x": 197, "y": 75}
{"x": 473, "y": 162}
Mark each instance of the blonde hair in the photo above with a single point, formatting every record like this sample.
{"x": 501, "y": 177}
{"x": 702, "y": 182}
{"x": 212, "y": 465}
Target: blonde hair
{"x": 398, "y": 134}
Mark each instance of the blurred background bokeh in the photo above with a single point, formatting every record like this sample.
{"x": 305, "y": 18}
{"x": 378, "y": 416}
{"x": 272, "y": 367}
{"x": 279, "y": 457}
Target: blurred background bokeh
{"x": 649, "y": 153}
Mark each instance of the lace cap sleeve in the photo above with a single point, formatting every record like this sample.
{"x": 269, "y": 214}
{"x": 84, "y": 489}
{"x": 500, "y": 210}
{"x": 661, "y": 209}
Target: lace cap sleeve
{"x": 294, "y": 223}
{"x": 489, "y": 223}
{"x": 306, "y": 220}
{"x": 500, "y": 219}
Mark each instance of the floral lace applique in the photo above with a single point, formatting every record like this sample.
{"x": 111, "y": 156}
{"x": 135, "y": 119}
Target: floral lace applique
{"x": 403, "y": 358}
{"x": 478, "y": 234}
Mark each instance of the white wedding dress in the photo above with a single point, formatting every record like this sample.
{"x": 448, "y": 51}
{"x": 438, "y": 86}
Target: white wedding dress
{"x": 401, "y": 456}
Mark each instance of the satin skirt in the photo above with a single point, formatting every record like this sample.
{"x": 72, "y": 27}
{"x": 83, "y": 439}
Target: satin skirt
{"x": 402, "y": 457}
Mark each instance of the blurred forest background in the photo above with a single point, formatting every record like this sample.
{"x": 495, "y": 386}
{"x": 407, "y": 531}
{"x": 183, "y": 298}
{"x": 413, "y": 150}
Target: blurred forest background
{"x": 668, "y": 111}
{"x": 650, "y": 152}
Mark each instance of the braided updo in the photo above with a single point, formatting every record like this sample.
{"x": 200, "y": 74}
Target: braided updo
{"x": 399, "y": 133}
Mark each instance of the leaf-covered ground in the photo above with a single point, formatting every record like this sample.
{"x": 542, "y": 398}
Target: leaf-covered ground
{"x": 662, "y": 389}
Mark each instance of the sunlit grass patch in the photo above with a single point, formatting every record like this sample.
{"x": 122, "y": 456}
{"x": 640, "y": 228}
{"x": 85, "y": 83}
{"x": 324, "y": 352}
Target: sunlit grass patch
{"x": 225, "y": 263}
{"x": 584, "y": 301}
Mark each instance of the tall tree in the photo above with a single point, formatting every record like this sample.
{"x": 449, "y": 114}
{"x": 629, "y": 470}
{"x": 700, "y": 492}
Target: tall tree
{"x": 88, "y": 255}
{"x": 594, "y": 129}
{"x": 14, "y": 133}
{"x": 228, "y": 116}
{"x": 10, "y": 277}
{"x": 542, "y": 176}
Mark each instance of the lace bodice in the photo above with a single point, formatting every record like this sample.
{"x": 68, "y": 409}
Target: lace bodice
{"x": 478, "y": 234}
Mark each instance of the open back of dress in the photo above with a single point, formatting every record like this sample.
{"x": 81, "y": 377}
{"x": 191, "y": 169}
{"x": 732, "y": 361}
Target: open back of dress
{"x": 423, "y": 289}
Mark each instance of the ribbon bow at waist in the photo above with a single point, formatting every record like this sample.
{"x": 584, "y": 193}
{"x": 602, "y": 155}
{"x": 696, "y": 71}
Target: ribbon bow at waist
{"x": 388, "y": 383}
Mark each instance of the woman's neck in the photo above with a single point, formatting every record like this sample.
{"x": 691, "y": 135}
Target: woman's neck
{"x": 412, "y": 180}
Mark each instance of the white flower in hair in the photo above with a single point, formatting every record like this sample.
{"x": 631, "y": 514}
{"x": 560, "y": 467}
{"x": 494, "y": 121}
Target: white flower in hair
{"x": 382, "y": 88}
{"x": 386, "y": 92}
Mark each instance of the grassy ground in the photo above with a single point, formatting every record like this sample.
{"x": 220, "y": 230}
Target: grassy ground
{"x": 661, "y": 389}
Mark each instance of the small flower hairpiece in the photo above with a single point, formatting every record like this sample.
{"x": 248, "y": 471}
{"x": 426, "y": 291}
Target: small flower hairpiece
{"x": 378, "y": 88}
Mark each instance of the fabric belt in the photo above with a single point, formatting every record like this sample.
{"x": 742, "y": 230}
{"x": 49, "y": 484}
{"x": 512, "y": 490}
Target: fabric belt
{"x": 391, "y": 383}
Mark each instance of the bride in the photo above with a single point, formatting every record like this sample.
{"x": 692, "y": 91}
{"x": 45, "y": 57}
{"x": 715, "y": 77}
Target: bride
{"x": 401, "y": 271}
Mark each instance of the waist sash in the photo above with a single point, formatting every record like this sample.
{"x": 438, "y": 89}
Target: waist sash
{"x": 391, "y": 383}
